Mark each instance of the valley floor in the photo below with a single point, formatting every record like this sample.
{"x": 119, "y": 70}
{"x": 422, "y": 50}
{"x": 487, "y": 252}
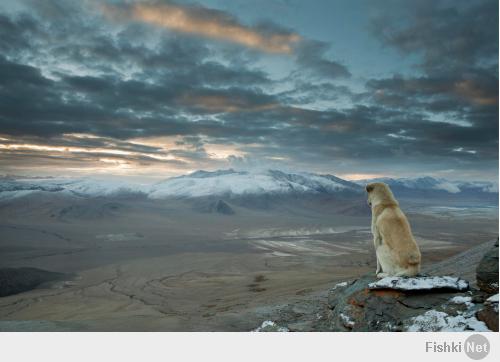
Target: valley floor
{"x": 202, "y": 273}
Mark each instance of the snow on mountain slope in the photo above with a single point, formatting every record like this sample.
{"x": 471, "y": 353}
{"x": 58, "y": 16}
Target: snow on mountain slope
{"x": 105, "y": 187}
{"x": 230, "y": 182}
{"x": 479, "y": 185}
{"x": 196, "y": 184}
{"x": 438, "y": 184}
{"x": 10, "y": 188}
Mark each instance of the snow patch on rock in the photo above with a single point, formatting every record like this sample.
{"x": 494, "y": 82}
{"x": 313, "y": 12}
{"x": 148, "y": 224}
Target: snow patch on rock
{"x": 346, "y": 320}
{"x": 339, "y": 285}
{"x": 270, "y": 326}
{"x": 420, "y": 283}
{"x": 493, "y": 299}
{"x": 459, "y": 299}
{"x": 436, "y": 321}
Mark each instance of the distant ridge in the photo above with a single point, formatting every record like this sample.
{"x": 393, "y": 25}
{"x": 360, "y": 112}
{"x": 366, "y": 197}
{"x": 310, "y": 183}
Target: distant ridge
{"x": 232, "y": 183}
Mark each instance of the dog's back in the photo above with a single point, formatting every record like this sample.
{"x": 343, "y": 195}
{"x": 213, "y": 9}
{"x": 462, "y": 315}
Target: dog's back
{"x": 397, "y": 251}
{"x": 396, "y": 234}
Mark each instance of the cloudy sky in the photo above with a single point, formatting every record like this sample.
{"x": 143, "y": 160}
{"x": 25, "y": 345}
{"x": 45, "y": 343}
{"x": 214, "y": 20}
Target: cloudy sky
{"x": 355, "y": 88}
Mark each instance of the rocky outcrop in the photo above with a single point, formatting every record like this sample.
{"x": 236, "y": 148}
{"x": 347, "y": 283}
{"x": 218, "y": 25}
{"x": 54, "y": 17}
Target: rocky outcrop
{"x": 438, "y": 303}
{"x": 487, "y": 271}
{"x": 487, "y": 281}
{"x": 424, "y": 303}
{"x": 463, "y": 264}
{"x": 405, "y": 304}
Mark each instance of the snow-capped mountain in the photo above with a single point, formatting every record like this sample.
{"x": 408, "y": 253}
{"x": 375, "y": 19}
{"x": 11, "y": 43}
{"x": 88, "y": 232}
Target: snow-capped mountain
{"x": 435, "y": 184}
{"x": 239, "y": 183}
{"x": 10, "y": 188}
{"x": 231, "y": 183}
{"x": 197, "y": 184}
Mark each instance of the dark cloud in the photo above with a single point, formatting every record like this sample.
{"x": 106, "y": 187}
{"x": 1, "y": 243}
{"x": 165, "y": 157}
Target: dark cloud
{"x": 16, "y": 32}
{"x": 441, "y": 93}
{"x": 104, "y": 86}
{"x": 311, "y": 56}
{"x": 448, "y": 34}
{"x": 304, "y": 92}
{"x": 455, "y": 45}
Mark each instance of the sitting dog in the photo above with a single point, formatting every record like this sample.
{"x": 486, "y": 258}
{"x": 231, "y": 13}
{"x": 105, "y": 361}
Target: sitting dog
{"x": 396, "y": 249}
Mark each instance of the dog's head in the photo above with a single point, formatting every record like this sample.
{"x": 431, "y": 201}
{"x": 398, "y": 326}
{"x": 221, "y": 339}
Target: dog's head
{"x": 379, "y": 192}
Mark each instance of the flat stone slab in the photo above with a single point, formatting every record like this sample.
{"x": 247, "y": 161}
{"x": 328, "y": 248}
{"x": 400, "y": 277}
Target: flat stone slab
{"x": 420, "y": 283}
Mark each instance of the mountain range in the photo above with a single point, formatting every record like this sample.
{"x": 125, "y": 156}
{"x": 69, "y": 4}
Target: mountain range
{"x": 233, "y": 184}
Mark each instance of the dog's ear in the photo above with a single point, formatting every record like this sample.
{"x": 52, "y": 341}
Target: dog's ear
{"x": 369, "y": 188}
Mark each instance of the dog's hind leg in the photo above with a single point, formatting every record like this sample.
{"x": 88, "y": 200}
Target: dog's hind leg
{"x": 377, "y": 242}
{"x": 384, "y": 258}
{"x": 379, "y": 269}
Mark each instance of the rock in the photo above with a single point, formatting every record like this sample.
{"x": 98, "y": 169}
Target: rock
{"x": 487, "y": 271}
{"x": 305, "y": 326}
{"x": 493, "y": 299}
{"x": 404, "y": 304}
{"x": 424, "y": 303}
{"x": 18, "y": 280}
{"x": 439, "y": 321}
{"x": 489, "y": 314}
{"x": 463, "y": 264}
{"x": 420, "y": 283}
{"x": 413, "y": 304}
